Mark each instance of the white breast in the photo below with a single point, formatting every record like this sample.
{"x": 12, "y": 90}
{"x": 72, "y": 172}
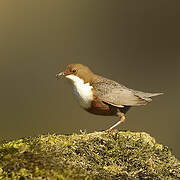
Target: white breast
{"x": 82, "y": 91}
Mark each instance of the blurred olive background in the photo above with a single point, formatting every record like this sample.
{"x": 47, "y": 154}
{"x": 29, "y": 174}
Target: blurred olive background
{"x": 136, "y": 43}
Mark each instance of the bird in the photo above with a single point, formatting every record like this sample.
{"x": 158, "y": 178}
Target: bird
{"x": 102, "y": 96}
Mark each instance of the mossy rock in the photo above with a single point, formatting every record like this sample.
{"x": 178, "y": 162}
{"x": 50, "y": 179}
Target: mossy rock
{"x": 99, "y": 155}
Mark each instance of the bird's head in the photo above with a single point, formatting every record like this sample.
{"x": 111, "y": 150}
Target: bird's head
{"x": 74, "y": 71}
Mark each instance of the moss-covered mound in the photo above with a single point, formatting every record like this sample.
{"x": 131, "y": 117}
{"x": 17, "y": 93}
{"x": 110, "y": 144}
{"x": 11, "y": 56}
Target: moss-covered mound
{"x": 99, "y": 155}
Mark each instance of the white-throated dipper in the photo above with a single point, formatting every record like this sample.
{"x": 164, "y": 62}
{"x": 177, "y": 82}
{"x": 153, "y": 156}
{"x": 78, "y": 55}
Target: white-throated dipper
{"x": 102, "y": 96}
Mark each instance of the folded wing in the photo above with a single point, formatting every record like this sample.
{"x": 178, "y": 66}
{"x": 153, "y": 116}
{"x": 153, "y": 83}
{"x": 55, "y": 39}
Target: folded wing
{"x": 118, "y": 95}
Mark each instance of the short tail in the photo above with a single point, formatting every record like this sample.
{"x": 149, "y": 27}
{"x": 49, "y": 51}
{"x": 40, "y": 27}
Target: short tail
{"x": 147, "y": 96}
{"x": 153, "y": 94}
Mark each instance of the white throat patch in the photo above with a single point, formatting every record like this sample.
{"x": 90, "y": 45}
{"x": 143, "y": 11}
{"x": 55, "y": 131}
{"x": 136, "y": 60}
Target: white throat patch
{"x": 82, "y": 91}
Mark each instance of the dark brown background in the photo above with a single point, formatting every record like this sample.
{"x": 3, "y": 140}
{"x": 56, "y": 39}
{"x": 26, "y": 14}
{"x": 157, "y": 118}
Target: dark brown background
{"x": 136, "y": 43}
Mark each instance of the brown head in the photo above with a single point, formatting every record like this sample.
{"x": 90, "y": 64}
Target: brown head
{"x": 79, "y": 70}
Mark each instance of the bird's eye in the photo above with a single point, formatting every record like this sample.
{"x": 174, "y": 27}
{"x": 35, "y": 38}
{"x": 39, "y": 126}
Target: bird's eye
{"x": 74, "y": 70}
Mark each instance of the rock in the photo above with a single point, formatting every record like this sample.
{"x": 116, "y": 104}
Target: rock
{"x": 99, "y": 155}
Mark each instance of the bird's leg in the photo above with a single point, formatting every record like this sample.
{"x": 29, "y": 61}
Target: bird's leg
{"x": 122, "y": 118}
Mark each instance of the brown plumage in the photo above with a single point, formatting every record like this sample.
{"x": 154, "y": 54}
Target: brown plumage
{"x": 102, "y": 96}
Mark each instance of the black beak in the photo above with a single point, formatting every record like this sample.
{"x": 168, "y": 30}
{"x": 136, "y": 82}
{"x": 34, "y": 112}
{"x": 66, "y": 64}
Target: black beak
{"x": 59, "y": 75}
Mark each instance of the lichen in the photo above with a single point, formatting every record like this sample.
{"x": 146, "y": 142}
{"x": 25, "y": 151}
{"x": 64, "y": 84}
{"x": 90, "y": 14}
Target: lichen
{"x": 98, "y": 155}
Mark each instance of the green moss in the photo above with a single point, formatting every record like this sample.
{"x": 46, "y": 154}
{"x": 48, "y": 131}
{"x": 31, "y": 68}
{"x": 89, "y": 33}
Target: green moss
{"x": 99, "y": 155}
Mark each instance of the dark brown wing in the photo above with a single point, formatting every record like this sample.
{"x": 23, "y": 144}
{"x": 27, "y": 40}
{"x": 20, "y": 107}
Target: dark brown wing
{"x": 118, "y": 95}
